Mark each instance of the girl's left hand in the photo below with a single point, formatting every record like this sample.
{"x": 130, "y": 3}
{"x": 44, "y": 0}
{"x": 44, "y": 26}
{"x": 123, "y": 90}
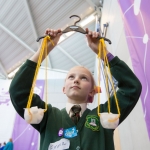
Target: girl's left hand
{"x": 93, "y": 41}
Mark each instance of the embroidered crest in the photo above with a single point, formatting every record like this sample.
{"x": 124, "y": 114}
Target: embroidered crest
{"x": 92, "y": 122}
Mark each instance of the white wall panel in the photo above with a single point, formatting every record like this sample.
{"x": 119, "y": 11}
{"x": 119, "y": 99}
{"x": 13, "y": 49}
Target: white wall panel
{"x": 7, "y": 112}
{"x": 55, "y": 81}
{"x": 132, "y": 132}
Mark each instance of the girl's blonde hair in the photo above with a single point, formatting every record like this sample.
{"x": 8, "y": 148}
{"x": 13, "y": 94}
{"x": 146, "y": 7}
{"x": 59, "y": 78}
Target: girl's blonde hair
{"x": 92, "y": 78}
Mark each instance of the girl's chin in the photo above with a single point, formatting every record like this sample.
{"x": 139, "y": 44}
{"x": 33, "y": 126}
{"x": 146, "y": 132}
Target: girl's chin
{"x": 77, "y": 98}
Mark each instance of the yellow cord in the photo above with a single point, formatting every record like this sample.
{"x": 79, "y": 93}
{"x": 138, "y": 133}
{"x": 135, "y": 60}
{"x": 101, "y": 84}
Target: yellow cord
{"x": 106, "y": 74}
{"x": 99, "y": 62}
{"x": 43, "y": 47}
{"x": 102, "y": 46}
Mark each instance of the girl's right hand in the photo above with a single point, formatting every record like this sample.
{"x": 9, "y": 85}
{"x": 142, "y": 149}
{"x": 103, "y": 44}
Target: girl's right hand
{"x": 54, "y": 34}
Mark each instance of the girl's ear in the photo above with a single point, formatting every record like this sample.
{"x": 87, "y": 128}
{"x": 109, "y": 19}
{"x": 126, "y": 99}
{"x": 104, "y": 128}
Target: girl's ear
{"x": 91, "y": 96}
{"x": 92, "y": 93}
{"x": 64, "y": 90}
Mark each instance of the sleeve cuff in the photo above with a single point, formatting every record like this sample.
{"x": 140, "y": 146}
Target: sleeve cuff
{"x": 110, "y": 57}
{"x": 30, "y": 63}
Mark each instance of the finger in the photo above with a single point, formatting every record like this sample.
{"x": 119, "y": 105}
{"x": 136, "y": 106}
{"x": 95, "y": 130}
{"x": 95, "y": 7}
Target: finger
{"x": 90, "y": 32}
{"x": 59, "y": 32}
{"x": 94, "y": 34}
{"x": 47, "y": 31}
{"x": 55, "y": 32}
{"x": 87, "y": 30}
{"x": 52, "y": 32}
{"x": 97, "y": 34}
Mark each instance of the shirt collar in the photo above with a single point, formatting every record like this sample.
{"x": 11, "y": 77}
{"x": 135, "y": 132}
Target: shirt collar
{"x": 70, "y": 105}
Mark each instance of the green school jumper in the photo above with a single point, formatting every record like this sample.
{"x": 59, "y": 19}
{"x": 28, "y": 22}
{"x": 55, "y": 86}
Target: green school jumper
{"x": 89, "y": 137}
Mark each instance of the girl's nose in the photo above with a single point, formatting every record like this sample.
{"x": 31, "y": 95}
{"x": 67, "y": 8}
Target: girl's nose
{"x": 76, "y": 80}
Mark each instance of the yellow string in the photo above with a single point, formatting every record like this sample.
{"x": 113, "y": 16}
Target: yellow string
{"x": 46, "y": 77}
{"x": 43, "y": 47}
{"x": 99, "y": 62}
{"x": 106, "y": 75}
{"x": 116, "y": 100}
{"x": 103, "y": 48}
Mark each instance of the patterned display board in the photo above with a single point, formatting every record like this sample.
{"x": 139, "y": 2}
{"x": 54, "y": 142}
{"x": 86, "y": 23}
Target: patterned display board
{"x": 12, "y": 125}
{"x": 136, "y": 22}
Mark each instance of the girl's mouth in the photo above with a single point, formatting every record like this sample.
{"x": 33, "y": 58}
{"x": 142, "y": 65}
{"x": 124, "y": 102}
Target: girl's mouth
{"x": 75, "y": 87}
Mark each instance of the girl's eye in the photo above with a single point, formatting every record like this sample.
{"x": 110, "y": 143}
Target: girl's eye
{"x": 71, "y": 77}
{"x": 84, "y": 78}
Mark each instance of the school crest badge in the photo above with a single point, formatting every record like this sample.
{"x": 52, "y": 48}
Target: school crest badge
{"x": 92, "y": 122}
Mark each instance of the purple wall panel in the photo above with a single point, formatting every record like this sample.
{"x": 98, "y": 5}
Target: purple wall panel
{"x": 136, "y": 22}
{"x": 25, "y": 137}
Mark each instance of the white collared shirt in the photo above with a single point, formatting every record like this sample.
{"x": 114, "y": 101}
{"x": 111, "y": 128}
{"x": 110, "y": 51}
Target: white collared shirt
{"x": 70, "y": 105}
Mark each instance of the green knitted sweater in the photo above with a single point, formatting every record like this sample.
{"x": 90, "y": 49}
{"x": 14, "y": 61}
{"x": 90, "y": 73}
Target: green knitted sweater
{"x": 88, "y": 137}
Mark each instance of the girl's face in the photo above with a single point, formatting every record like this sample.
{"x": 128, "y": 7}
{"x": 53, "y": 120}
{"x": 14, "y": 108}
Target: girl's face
{"x": 78, "y": 85}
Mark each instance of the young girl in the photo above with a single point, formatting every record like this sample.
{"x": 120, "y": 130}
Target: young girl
{"x": 76, "y": 127}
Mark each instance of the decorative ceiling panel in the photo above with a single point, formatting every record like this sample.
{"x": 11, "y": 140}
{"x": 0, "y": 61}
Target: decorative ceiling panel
{"x": 20, "y": 21}
{"x": 60, "y": 61}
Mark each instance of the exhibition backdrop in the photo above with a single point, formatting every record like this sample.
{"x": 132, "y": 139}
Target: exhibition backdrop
{"x": 136, "y": 19}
